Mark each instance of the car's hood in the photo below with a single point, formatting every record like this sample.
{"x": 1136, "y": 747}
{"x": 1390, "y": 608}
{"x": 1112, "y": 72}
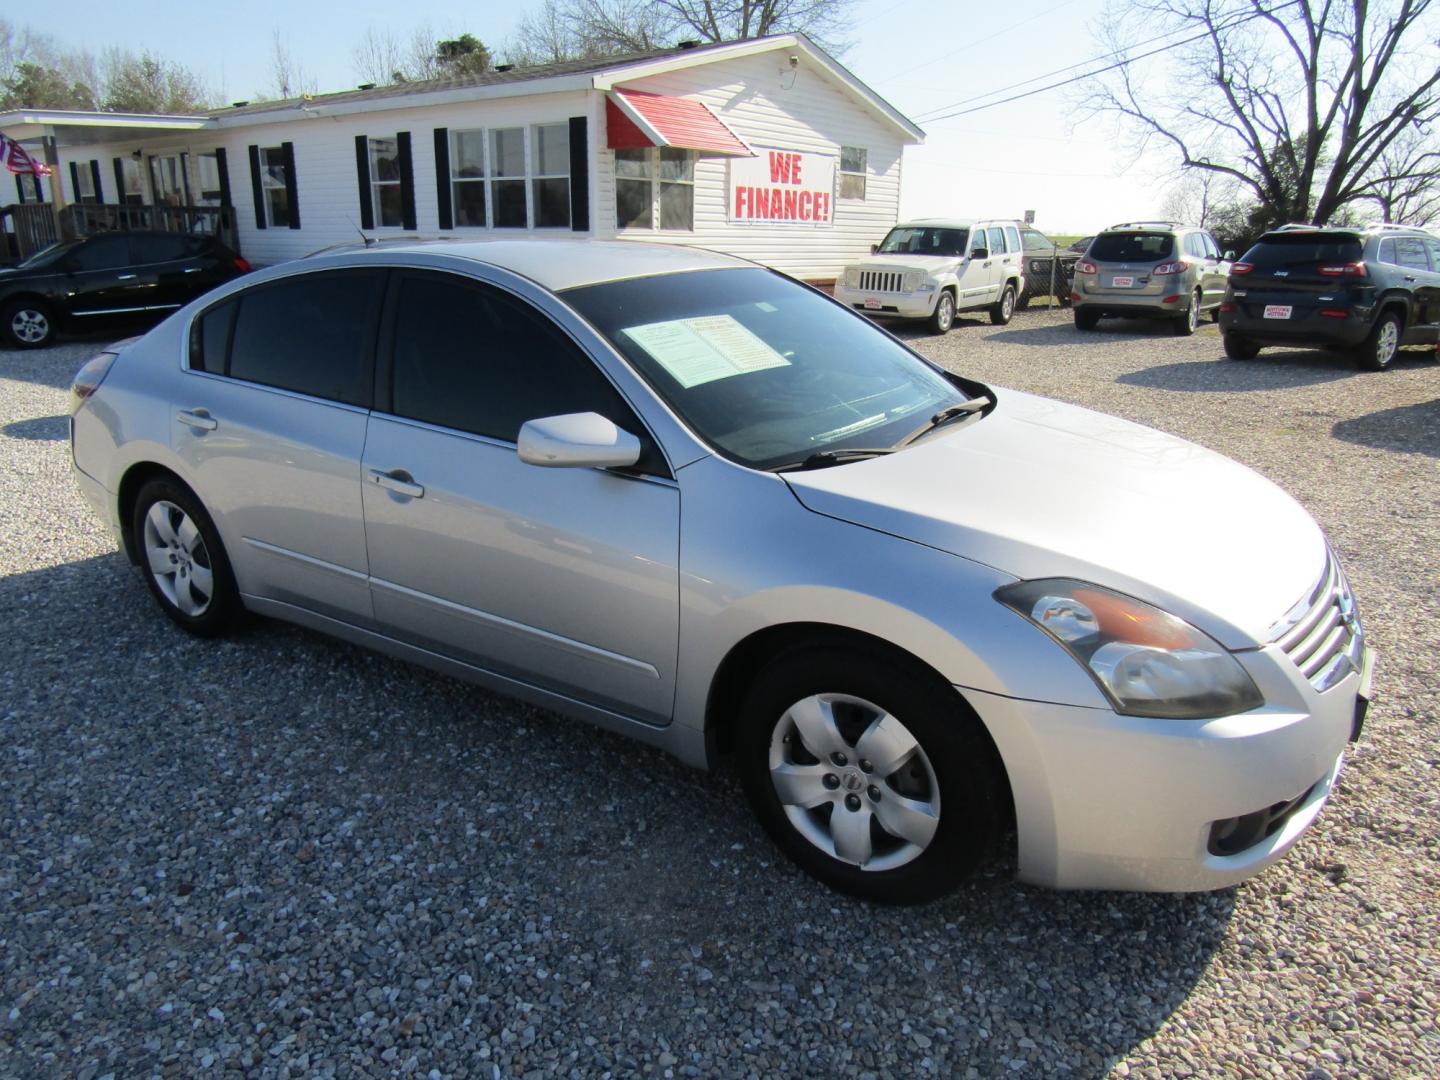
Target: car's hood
{"x": 1043, "y": 489}
{"x": 930, "y": 264}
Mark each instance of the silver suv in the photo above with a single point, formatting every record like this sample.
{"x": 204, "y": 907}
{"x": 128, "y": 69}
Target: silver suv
{"x": 1150, "y": 270}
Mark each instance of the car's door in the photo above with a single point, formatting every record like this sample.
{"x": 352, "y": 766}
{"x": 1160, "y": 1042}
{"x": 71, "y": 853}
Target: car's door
{"x": 100, "y": 283}
{"x": 979, "y": 272}
{"x": 564, "y": 578}
{"x": 173, "y": 264}
{"x": 269, "y": 423}
{"x": 1214, "y": 272}
{"x": 1419, "y": 261}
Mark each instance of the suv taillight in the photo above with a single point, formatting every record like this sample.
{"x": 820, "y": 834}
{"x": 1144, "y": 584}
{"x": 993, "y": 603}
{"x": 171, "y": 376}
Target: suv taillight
{"x": 1241, "y": 269}
{"x": 1164, "y": 269}
{"x": 1355, "y": 269}
{"x": 1085, "y": 266}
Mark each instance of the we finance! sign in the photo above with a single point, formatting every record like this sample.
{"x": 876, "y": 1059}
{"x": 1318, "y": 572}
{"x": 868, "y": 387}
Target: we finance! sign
{"x": 783, "y": 186}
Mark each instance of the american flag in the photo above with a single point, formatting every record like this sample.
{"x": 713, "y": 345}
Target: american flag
{"x": 18, "y": 161}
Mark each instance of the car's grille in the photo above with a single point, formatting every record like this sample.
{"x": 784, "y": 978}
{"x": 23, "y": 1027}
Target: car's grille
{"x": 880, "y": 281}
{"x": 1322, "y": 632}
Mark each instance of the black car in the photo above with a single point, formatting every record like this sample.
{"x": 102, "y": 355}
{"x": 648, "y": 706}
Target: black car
{"x": 111, "y": 279}
{"x": 1048, "y": 268}
{"x": 1366, "y": 291}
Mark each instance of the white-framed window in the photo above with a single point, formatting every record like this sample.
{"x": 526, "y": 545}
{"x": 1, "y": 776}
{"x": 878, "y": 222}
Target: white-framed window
{"x": 467, "y": 177}
{"x": 852, "y": 172}
{"x": 550, "y": 175}
{"x": 206, "y": 178}
{"x": 85, "y": 183}
{"x": 385, "y": 182}
{"x": 655, "y": 189}
{"x": 272, "y": 183}
{"x": 167, "y": 180}
{"x": 134, "y": 193}
{"x": 508, "y": 203}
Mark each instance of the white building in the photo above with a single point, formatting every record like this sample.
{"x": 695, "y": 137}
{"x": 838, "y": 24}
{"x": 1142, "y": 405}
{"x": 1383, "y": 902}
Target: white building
{"x": 767, "y": 149}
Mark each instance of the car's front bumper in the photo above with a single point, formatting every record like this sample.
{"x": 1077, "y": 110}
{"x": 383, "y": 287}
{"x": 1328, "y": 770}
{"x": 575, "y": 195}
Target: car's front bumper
{"x": 919, "y": 304}
{"x": 1104, "y": 801}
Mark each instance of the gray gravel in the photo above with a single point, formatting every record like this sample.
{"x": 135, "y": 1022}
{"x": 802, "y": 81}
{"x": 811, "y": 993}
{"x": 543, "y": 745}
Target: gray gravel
{"x": 280, "y": 856}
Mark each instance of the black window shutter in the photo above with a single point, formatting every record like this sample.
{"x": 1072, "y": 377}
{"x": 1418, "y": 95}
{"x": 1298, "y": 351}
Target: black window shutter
{"x": 223, "y": 168}
{"x": 362, "y": 175}
{"x": 292, "y": 184}
{"x": 119, "y": 181}
{"x": 75, "y": 181}
{"x": 257, "y": 190}
{"x": 407, "y": 180}
{"x": 20, "y": 186}
{"x": 442, "y": 177}
{"x": 95, "y": 179}
{"x": 579, "y": 176}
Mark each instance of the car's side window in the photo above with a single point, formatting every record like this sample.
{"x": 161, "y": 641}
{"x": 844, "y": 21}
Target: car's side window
{"x": 310, "y": 334}
{"x": 1386, "y": 254}
{"x": 1212, "y": 249}
{"x": 210, "y": 337}
{"x": 150, "y": 248}
{"x": 100, "y": 253}
{"x": 471, "y": 357}
{"x": 1410, "y": 253}
{"x": 1433, "y": 247}
{"x": 997, "y": 240}
{"x": 1012, "y": 238}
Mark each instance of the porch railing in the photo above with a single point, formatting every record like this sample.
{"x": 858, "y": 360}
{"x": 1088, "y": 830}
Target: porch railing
{"x": 25, "y": 228}
{"x": 84, "y": 219}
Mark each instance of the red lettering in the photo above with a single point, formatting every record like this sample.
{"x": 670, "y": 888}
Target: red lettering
{"x": 740, "y": 201}
{"x": 824, "y": 213}
{"x": 790, "y": 210}
{"x": 795, "y": 169}
{"x": 760, "y": 198}
{"x": 805, "y": 199}
{"x": 779, "y": 167}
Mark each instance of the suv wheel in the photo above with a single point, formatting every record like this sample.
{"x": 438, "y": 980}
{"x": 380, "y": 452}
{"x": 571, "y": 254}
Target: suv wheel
{"x": 943, "y": 318}
{"x": 1380, "y": 347}
{"x": 1001, "y": 312}
{"x": 1239, "y": 348}
{"x": 1186, "y": 324}
{"x": 183, "y": 561}
{"x": 1022, "y": 301}
{"x": 27, "y": 324}
{"x": 1085, "y": 319}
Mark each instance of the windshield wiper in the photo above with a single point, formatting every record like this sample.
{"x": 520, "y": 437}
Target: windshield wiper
{"x": 944, "y": 416}
{"x": 823, "y": 458}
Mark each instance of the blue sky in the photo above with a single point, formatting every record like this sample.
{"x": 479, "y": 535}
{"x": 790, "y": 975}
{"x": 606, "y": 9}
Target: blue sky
{"x": 918, "y": 54}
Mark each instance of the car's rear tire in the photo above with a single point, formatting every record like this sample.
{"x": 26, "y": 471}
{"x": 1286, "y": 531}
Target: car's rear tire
{"x": 943, "y": 317}
{"x": 1022, "y": 301}
{"x": 1085, "y": 319}
{"x": 1239, "y": 348}
{"x": 1000, "y": 313}
{"x": 27, "y": 324}
{"x": 1379, "y": 349}
{"x": 1187, "y": 323}
{"x": 869, "y": 772}
{"x": 182, "y": 559}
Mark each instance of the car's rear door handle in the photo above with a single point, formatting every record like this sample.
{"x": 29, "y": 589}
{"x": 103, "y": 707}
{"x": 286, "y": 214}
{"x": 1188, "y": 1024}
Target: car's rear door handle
{"x": 199, "y": 419}
{"x": 398, "y": 481}
{"x": 125, "y": 277}
{"x": 193, "y": 269}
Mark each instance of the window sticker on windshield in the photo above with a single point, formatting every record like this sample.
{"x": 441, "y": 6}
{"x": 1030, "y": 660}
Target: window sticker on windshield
{"x": 698, "y": 351}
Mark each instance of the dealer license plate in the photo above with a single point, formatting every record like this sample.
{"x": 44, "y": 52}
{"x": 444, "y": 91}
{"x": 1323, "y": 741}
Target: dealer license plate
{"x": 1122, "y": 282}
{"x": 872, "y": 305}
{"x": 1278, "y": 311}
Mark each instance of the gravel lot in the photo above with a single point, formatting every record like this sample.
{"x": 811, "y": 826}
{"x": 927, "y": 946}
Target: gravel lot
{"x": 281, "y": 856}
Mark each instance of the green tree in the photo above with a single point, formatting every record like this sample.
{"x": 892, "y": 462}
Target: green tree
{"x": 150, "y": 84}
{"x": 41, "y": 87}
{"x": 464, "y": 55}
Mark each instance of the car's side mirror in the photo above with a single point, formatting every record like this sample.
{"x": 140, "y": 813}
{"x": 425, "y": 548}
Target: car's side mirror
{"x": 577, "y": 441}
{"x": 1229, "y": 256}
{"x": 980, "y": 253}
{"x": 874, "y": 248}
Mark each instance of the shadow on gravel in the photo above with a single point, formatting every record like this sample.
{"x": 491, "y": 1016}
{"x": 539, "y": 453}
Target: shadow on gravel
{"x": 281, "y": 815}
{"x": 1284, "y": 372}
{"x": 1414, "y": 429}
{"x": 41, "y": 428}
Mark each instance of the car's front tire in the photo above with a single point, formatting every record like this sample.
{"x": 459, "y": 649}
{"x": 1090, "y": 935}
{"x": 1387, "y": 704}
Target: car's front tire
{"x": 1001, "y": 312}
{"x": 1379, "y": 349}
{"x": 183, "y": 560}
{"x": 27, "y": 324}
{"x": 869, "y": 772}
{"x": 943, "y": 317}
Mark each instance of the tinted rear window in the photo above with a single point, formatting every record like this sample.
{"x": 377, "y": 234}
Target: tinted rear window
{"x": 1299, "y": 249}
{"x": 1128, "y": 246}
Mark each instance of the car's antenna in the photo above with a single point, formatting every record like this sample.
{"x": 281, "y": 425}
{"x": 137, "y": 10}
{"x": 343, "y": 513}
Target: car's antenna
{"x": 369, "y": 240}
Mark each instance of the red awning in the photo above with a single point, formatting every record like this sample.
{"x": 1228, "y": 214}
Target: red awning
{"x": 637, "y": 120}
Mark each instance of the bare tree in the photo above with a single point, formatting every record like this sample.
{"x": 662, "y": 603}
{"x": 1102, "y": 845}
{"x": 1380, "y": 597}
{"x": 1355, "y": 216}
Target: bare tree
{"x": 1299, "y": 102}
{"x": 149, "y": 84}
{"x": 574, "y": 29}
{"x": 287, "y": 75}
{"x": 383, "y": 57}
{"x": 36, "y": 71}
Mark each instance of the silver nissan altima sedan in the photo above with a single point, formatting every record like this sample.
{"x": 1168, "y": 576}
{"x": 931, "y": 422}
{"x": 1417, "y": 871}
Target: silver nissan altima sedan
{"x": 686, "y": 498}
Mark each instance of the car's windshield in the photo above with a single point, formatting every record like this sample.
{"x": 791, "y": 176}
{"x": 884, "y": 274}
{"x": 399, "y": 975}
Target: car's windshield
{"x": 914, "y": 240}
{"x": 767, "y": 370}
{"x": 1132, "y": 246}
{"x": 47, "y": 255}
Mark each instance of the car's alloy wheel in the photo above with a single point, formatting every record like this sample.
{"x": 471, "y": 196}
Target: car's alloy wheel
{"x": 944, "y": 317}
{"x": 1000, "y": 314}
{"x": 1186, "y": 324}
{"x": 28, "y": 325}
{"x": 869, "y": 771}
{"x": 1380, "y": 347}
{"x": 182, "y": 559}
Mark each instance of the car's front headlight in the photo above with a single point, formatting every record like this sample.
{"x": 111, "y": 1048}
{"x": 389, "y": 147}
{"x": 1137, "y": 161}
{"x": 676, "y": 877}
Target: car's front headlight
{"x": 911, "y": 281}
{"x": 1147, "y": 661}
{"x": 852, "y": 277}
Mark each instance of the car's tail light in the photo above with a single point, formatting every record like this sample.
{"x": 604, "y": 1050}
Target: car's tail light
{"x": 1241, "y": 269}
{"x": 1334, "y": 313}
{"x": 1165, "y": 269}
{"x": 1355, "y": 269}
{"x": 1227, "y": 308}
{"x": 88, "y": 379}
{"x": 1171, "y": 300}
{"x": 1074, "y": 297}
{"x": 243, "y": 265}
{"x": 1085, "y": 266}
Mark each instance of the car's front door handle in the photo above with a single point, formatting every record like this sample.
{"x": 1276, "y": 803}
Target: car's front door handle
{"x": 125, "y": 277}
{"x": 193, "y": 269}
{"x": 199, "y": 419}
{"x": 1409, "y": 277}
{"x": 398, "y": 481}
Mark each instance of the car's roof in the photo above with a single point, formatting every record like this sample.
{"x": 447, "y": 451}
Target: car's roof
{"x": 566, "y": 263}
{"x": 948, "y": 222}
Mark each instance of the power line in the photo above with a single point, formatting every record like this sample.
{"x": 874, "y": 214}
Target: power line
{"x": 971, "y": 44}
{"x": 927, "y": 118}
